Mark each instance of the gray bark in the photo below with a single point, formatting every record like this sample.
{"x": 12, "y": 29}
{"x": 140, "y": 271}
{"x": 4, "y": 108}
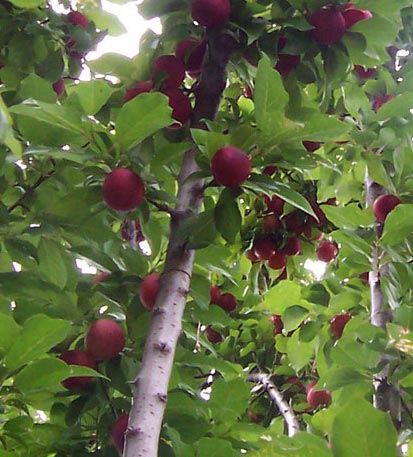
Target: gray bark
{"x": 386, "y": 395}
{"x": 277, "y": 398}
{"x": 151, "y": 383}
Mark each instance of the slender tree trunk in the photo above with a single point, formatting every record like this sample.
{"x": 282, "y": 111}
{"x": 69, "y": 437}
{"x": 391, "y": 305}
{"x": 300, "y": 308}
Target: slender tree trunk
{"x": 151, "y": 383}
{"x": 386, "y": 396}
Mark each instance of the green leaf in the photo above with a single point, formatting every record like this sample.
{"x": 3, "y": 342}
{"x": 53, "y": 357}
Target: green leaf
{"x": 302, "y": 445}
{"x": 105, "y": 20}
{"x": 225, "y": 406}
{"x": 354, "y": 242}
{"x": 188, "y": 416}
{"x": 281, "y": 296}
{"x": 34, "y": 87}
{"x": 270, "y": 97}
{"x": 38, "y": 335}
{"x": 113, "y": 64}
{"x": 398, "y": 225}
{"x": 299, "y": 352}
{"x": 376, "y": 170}
{"x": 76, "y": 155}
{"x": 141, "y": 117}
{"x": 54, "y": 115}
{"x": 6, "y": 132}
{"x": 28, "y": 3}
{"x": 335, "y": 378}
{"x": 350, "y": 216}
{"x": 208, "y": 362}
{"x": 227, "y": 216}
{"x": 264, "y": 183}
{"x": 51, "y": 263}
{"x": 199, "y": 231}
{"x": 209, "y": 142}
{"x": 8, "y": 332}
{"x": 293, "y": 316}
{"x": 215, "y": 446}
{"x": 379, "y": 32}
{"x": 93, "y": 95}
{"x": 42, "y": 374}
{"x": 354, "y": 355}
{"x": 200, "y": 291}
{"x": 370, "y": 432}
{"x": 179, "y": 447}
{"x": 355, "y": 98}
{"x": 47, "y": 374}
{"x": 319, "y": 127}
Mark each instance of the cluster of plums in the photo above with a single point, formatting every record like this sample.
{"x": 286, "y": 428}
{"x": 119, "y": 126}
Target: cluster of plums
{"x": 76, "y": 18}
{"x": 168, "y": 72}
{"x": 279, "y": 234}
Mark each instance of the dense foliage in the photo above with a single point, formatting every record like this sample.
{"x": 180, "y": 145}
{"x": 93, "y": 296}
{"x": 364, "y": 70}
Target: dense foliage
{"x": 315, "y": 116}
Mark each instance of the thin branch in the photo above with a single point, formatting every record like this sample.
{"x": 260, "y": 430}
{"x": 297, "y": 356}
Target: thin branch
{"x": 161, "y": 206}
{"x": 30, "y": 191}
{"x": 108, "y": 399}
{"x": 279, "y": 401}
{"x": 386, "y": 395}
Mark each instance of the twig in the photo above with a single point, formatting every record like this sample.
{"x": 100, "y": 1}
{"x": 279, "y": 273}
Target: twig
{"x": 161, "y": 206}
{"x": 109, "y": 400}
{"x": 278, "y": 399}
{"x": 30, "y": 190}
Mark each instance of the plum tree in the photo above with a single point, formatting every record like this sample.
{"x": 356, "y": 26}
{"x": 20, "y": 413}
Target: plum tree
{"x": 244, "y": 141}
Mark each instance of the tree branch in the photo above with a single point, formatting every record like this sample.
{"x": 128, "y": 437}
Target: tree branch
{"x": 279, "y": 401}
{"x": 161, "y": 206}
{"x": 30, "y": 191}
{"x": 151, "y": 384}
{"x": 386, "y": 396}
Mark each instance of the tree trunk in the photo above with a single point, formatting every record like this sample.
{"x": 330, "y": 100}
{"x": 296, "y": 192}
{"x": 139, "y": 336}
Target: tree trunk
{"x": 151, "y": 383}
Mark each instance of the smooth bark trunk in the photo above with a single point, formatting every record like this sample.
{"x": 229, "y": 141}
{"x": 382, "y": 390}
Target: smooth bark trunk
{"x": 151, "y": 383}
